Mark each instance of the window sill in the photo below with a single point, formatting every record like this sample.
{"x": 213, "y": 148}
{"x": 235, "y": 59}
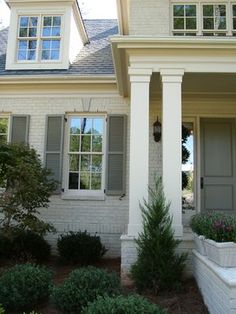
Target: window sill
{"x": 66, "y": 196}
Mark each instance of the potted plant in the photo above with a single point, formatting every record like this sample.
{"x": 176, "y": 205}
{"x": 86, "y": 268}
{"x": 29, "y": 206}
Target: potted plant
{"x": 198, "y": 224}
{"x": 219, "y": 232}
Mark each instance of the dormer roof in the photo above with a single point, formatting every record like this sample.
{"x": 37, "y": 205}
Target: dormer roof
{"x": 94, "y": 59}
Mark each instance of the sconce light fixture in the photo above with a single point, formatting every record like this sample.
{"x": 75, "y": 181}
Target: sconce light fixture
{"x": 157, "y": 131}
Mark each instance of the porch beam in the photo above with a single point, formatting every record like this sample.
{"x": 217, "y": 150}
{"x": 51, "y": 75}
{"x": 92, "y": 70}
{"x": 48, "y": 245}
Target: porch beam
{"x": 171, "y": 143}
{"x": 139, "y": 146}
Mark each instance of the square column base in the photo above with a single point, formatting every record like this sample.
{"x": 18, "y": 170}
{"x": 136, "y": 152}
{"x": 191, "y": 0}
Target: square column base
{"x": 128, "y": 258}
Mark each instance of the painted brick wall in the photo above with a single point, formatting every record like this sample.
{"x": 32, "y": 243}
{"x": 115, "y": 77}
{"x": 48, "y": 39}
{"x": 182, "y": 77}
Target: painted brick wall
{"x": 108, "y": 218}
{"x": 149, "y": 17}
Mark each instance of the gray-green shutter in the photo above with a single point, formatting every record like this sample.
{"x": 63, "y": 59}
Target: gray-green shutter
{"x": 116, "y": 153}
{"x": 19, "y": 130}
{"x": 54, "y": 146}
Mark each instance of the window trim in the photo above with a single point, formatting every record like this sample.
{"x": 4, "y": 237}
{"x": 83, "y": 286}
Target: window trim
{"x": 229, "y": 31}
{"x": 76, "y": 193}
{"x": 220, "y": 31}
{"x": 6, "y": 116}
{"x": 34, "y": 10}
{"x": 184, "y": 30}
{"x": 39, "y": 38}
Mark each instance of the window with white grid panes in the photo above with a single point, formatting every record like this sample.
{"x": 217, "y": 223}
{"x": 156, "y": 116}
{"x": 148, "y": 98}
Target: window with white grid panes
{"x": 184, "y": 19}
{"x": 39, "y": 38}
{"x": 4, "y": 125}
{"x": 234, "y": 19}
{"x": 214, "y": 19}
{"x": 86, "y": 153}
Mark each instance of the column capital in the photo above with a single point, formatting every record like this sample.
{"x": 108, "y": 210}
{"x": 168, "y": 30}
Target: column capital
{"x": 140, "y": 75}
{"x": 171, "y": 75}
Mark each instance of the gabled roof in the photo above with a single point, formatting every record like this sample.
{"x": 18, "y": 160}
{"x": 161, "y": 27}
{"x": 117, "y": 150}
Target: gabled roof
{"x": 94, "y": 59}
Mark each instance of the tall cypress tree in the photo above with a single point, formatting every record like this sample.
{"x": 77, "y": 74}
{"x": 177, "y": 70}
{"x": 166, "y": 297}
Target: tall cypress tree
{"x": 158, "y": 267}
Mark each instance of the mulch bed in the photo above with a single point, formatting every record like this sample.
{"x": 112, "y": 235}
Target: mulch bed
{"x": 187, "y": 300}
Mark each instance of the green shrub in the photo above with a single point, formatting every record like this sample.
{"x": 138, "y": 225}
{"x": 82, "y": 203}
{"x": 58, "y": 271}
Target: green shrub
{"x": 80, "y": 247}
{"x": 24, "y": 286}
{"x": 24, "y": 246}
{"x": 215, "y": 226}
{"x": 27, "y": 187}
{"x": 132, "y": 304}
{"x": 2, "y": 311}
{"x": 158, "y": 267}
{"x": 84, "y": 285}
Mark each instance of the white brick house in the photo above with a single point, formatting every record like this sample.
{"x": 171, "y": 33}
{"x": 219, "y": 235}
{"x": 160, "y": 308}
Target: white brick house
{"x": 85, "y": 94}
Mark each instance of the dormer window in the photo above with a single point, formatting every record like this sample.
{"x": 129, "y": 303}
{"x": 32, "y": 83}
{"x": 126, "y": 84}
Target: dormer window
{"x": 39, "y": 38}
{"x": 44, "y": 35}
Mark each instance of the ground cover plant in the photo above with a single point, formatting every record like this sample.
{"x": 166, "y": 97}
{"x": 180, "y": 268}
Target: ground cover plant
{"x": 158, "y": 267}
{"x": 133, "y": 304}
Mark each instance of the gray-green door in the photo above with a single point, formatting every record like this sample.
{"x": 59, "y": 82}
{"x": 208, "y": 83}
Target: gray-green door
{"x": 218, "y": 164}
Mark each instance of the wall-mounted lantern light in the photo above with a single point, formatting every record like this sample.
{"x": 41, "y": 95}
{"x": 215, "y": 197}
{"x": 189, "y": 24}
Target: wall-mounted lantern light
{"x": 157, "y": 131}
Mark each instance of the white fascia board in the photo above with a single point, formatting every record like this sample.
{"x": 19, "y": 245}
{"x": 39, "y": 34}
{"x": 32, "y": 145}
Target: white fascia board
{"x": 65, "y": 79}
{"x": 80, "y": 23}
{"x": 172, "y": 42}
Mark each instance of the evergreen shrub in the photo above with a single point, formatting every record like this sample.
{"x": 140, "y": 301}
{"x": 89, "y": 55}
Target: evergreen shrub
{"x": 82, "y": 286}
{"x": 158, "y": 267}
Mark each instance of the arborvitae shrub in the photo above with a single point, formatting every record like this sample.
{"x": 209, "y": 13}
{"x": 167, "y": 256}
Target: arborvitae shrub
{"x": 158, "y": 267}
{"x": 133, "y": 304}
{"x": 80, "y": 247}
{"x": 24, "y": 286}
{"x": 84, "y": 285}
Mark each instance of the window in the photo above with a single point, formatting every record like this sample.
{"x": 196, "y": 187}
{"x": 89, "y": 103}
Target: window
{"x": 214, "y": 19}
{"x": 184, "y": 19}
{"x": 4, "y": 129}
{"x": 234, "y": 19}
{"x": 39, "y": 38}
{"x": 86, "y": 153}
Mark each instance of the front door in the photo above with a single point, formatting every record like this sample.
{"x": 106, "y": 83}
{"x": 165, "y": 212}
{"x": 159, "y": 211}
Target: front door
{"x": 218, "y": 165}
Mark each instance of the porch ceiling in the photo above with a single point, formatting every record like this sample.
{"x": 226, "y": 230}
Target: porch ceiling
{"x": 199, "y": 83}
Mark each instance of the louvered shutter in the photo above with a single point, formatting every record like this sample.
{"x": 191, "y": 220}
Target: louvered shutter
{"x": 54, "y": 146}
{"x": 116, "y": 153}
{"x": 19, "y": 131}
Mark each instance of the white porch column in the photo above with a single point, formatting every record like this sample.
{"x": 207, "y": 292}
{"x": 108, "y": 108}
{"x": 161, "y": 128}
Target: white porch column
{"x": 139, "y": 146}
{"x": 172, "y": 143}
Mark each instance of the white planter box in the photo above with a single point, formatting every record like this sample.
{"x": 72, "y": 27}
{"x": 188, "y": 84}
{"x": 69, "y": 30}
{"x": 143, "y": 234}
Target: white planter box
{"x": 199, "y": 244}
{"x": 223, "y": 254}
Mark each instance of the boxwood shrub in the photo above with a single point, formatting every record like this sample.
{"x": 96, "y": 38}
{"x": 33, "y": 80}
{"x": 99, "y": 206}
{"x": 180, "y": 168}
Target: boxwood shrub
{"x": 24, "y": 286}
{"x": 24, "y": 246}
{"x": 133, "y": 304}
{"x": 82, "y": 286}
{"x": 80, "y": 247}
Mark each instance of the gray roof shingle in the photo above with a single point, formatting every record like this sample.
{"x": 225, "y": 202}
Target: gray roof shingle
{"x": 94, "y": 58}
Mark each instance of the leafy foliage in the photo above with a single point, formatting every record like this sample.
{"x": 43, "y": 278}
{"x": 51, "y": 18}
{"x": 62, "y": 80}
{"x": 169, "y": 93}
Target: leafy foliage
{"x": 185, "y": 154}
{"x": 84, "y": 285}
{"x": 80, "y": 247}
{"x": 26, "y": 187}
{"x": 24, "y": 246}
{"x": 158, "y": 267}
{"x": 133, "y": 304}
{"x": 215, "y": 226}
{"x": 24, "y": 286}
{"x": 2, "y": 311}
